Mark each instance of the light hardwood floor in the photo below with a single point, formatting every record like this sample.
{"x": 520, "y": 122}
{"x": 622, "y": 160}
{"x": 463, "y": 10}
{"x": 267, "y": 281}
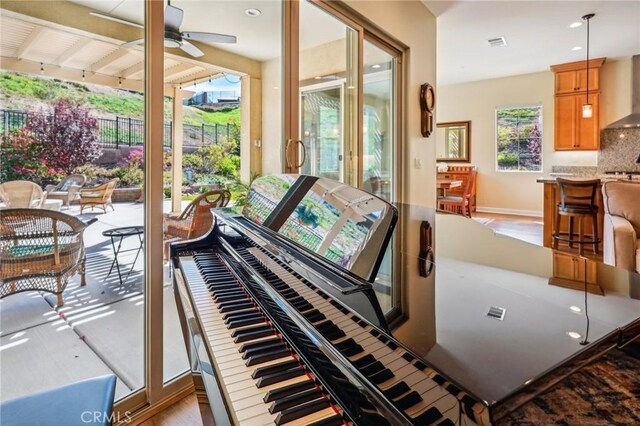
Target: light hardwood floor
{"x": 183, "y": 413}
{"x": 526, "y": 228}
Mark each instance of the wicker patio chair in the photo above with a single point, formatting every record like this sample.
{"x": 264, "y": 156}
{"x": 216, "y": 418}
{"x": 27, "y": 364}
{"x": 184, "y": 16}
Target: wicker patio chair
{"x": 99, "y": 196}
{"x": 40, "y": 250}
{"x": 68, "y": 190}
{"x": 18, "y": 194}
{"x": 196, "y": 219}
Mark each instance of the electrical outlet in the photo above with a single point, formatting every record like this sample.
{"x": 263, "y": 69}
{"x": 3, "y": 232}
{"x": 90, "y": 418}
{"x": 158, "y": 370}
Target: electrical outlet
{"x": 417, "y": 163}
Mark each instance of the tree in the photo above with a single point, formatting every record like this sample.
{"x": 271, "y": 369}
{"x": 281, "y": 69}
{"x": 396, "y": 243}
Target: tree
{"x": 70, "y": 135}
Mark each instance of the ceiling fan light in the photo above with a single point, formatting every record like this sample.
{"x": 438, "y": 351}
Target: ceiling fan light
{"x": 587, "y": 111}
{"x": 172, "y": 44}
{"x": 253, "y": 12}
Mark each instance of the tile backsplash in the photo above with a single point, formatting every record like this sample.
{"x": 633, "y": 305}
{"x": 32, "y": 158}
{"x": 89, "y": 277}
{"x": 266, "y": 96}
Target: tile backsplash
{"x": 619, "y": 149}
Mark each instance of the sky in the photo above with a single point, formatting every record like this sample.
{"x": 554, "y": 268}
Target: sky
{"x": 227, "y": 84}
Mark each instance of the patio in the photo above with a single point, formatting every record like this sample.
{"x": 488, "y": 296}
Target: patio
{"x": 98, "y": 331}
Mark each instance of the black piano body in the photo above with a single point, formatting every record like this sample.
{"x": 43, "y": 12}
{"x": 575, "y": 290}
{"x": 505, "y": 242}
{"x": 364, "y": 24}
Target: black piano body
{"x": 281, "y": 322}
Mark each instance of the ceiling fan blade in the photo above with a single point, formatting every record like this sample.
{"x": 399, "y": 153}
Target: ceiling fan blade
{"x": 133, "y": 43}
{"x": 209, "y": 37}
{"x": 114, "y": 19}
{"x": 173, "y": 18}
{"x": 191, "y": 49}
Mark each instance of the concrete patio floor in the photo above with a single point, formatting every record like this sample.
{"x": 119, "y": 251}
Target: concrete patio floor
{"x": 99, "y": 329}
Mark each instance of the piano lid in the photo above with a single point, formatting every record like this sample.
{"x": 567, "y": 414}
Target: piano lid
{"x": 347, "y": 226}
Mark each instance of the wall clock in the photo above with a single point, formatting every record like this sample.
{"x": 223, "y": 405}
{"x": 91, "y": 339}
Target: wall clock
{"x": 427, "y": 105}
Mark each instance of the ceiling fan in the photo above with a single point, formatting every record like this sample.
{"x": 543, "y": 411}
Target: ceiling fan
{"x": 173, "y": 37}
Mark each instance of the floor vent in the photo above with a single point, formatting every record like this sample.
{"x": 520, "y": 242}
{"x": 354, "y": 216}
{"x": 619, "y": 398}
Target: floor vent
{"x": 497, "y": 313}
{"x": 497, "y": 42}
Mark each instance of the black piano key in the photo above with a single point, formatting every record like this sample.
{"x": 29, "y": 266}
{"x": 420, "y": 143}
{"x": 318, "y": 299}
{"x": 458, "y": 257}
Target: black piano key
{"x": 374, "y": 332}
{"x": 249, "y": 330}
{"x": 245, "y": 321}
{"x": 354, "y": 350}
{"x": 262, "y": 343}
{"x": 245, "y": 337}
{"x": 396, "y": 390}
{"x": 267, "y": 356}
{"x": 364, "y": 361}
{"x": 239, "y": 315}
{"x": 381, "y": 376}
{"x": 349, "y": 347}
{"x": 446, "y": 422}
{"x": 303, "y": 305}
{"x": 428, "y": 417}
{"x": 295, "y": 400}
{"x": 280, "y": 376}
{"x": 408, "y": 357}
{"x": 329, "y": 421}
{"x": 392, "y": 345}
{"x": 283, "y": 392}
{"x": 420, "y": 365}
{"x": 289, "y": 294}
{"x": 231, "y": 298}
{"x": 314, "y": 315}
{"x": 372, "y": 369}
{"x": 330, "y": 330}
{"x": 231, "y": 307}
{"x": 408, "y": 401}
{"x": 274, "y": 368}
{"x": 264, "y": 349}
{"x": 294, "y": 413}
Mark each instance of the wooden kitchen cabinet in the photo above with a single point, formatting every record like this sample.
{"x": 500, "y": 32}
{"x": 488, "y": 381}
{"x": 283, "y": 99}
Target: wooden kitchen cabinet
{"x": 572, "y": 131}
{"x": 570, "y": 271}
{"x": 569, "y": 82}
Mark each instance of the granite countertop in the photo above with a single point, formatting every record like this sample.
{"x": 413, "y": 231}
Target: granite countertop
{"x": 551, "y": 177}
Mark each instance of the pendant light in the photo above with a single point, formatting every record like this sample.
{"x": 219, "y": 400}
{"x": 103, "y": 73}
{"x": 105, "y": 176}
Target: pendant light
{"x": 587, "y": 108}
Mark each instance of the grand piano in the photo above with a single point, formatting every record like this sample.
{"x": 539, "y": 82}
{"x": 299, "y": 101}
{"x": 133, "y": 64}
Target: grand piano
{"x": 281, "y": 321}
{"x": 284, "y": 308}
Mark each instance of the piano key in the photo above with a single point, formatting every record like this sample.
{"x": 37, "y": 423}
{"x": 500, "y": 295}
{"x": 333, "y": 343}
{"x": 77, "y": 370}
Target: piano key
{"x": 295, "y": 400}
{"x": 287, "y": 390}
{"x": 280, "y": 376}
{"x": 254, "y": 345}
{"x": 428, "y": 417}
{"x": 267, "y": 356}
{"x": 334, "y": 420}
{"x": 301, "y": 411}
{"x": 269, "y": 369}
{"x": 246, "y": 321}
{"x": 408, "y": 400}
{"x": 262, "y": 349}
{"x": 250, "y": 329}
{"x": 397, "y": 390}
{"x": 231, "y": 307}
{"x": 245, "y": 337}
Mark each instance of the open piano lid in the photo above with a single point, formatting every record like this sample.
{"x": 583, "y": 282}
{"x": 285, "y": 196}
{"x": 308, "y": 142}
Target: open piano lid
{"x": 346, "y": 226}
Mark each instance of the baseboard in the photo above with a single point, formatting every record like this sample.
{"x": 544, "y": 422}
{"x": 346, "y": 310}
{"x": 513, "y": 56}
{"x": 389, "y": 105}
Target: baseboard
{"x": 514, "y": 212}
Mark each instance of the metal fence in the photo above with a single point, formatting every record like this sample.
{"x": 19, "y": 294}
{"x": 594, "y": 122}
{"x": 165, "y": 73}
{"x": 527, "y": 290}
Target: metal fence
{"x": 129, "y": 131}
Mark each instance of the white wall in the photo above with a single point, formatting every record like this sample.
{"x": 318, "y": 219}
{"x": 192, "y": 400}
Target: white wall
{"x": 518, "y": 192}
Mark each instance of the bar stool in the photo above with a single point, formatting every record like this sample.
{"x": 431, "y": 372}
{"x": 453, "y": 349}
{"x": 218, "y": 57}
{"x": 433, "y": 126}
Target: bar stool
{"x": 577, "y": 200}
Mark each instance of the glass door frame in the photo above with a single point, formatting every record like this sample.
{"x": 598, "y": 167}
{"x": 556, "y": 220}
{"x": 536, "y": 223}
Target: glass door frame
{"x": 156, "y": 395}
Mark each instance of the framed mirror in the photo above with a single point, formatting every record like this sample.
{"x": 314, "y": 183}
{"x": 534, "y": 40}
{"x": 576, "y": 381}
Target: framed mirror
{"x": 453, "y": 141}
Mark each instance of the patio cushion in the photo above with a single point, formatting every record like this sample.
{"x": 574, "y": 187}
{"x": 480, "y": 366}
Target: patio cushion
{"x": 65, "y": 186}
{"x": 21, "y": 250}
{"x": 92, "y": 194}
{"x": 81, "y": 403}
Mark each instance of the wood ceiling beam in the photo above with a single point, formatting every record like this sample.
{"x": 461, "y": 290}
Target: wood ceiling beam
{"x": 177, "y": 70}
{"x": 73, "y": 51}
{"x": 109, "y": 59}
{"x": 31, "y": 41}
{"x": 133, "y": 70}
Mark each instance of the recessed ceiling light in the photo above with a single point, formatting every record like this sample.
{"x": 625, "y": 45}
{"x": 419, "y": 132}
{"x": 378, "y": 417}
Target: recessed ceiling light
{"x": 253, "y": 12}
{"x": 575, "y": 309}
{"x": 575, "y": 48}
{"x": 376, "y": 66}
{"x": 575, "y": 24}
{"x": 318, "y": 77}
{"x": 573, "y": 334}
{"x": 497, "y": 41}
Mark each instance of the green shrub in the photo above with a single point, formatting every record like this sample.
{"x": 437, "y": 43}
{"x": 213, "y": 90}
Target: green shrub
{"x": 129, "y": 176}
{"x": 507, "y": 160}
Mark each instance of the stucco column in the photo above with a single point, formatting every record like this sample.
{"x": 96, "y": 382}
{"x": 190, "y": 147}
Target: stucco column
{"x": 250, "y": 127}
{"x": 176, "y": 153}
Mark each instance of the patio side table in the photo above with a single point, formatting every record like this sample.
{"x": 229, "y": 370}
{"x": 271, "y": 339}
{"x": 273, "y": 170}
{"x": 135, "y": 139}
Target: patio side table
{"x": 121, "y": 234}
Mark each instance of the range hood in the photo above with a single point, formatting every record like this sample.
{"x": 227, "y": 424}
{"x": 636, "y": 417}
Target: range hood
{"x": 632, "y": 120}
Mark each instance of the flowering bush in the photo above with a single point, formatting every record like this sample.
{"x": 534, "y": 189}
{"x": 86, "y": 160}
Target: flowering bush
{"x": 25, "y": 158}
{"x": 70, "y": 135}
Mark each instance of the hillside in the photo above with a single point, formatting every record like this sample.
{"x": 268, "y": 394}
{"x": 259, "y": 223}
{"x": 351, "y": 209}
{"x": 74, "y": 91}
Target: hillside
{"x": 35, "y": 93}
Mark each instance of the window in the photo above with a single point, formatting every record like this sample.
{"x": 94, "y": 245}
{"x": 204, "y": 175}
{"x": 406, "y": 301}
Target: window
{"x": 519, "y": 137}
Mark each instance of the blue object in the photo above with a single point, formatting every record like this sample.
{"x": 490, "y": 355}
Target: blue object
{"x": 88, "y": 402}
